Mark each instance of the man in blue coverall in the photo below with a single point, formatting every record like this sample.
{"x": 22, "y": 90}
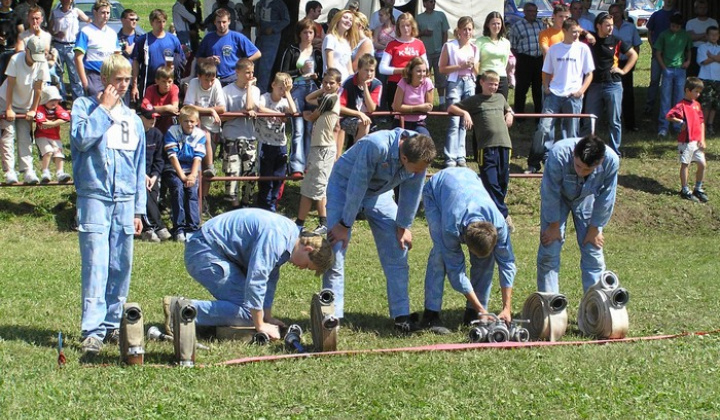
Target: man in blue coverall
{"x": 237, "y": 257}
{"x": 362, "y": 180}
{"x": 107, "y": 141}
{"x": 580, "y": 178}
{"x": 460, "y": 211}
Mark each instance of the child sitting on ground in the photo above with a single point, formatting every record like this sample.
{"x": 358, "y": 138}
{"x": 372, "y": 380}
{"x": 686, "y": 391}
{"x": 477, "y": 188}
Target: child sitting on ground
{"x": 154, "y": 229}
{"x": 691, "y": 140}
{"x": 360, "y": 94}
{"x": 321, "y": 156}
{"x": 491, "y": 116}
{"x": 185, "y": 148}
{"x": 48, "y": 119}
{"x": 708, "y": 57}
{"x": 273, "y": 143}
{"x": 239, "y": 143}
{"x": 163, "y": 97}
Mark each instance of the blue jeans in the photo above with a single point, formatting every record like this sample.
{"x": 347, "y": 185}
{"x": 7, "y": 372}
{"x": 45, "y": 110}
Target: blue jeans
{"x": 269, "y": 45}
{"x": 224, "y": 279}
{"x": 672, "y": 86}
{"x": 380, "y": 212}
{"x": 655, "y": 74}
{"x": 554, "y": 104}
{"x": 273, "y": 162}
{"x": 302, "y": 130}
{"x": 592, "y": 260}
{"x": 463, "y": 88}
{"x": 66, "y": 58}
{"x": 184, "y": 203}
{"x": 609, "y": 95}
{"x": 106, "y": 252}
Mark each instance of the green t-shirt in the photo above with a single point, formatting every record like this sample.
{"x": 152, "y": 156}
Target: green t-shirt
{"x": 438, "y": 23}
{"x": 673, "y": 46}
{"x": 488, "y": 117}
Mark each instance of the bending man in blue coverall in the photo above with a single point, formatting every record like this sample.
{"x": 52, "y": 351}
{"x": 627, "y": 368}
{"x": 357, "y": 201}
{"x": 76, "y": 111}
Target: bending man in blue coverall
{"x": 362, "y": 180}
{"x": 580, "y": 178}
{"x": 460, "y": 211}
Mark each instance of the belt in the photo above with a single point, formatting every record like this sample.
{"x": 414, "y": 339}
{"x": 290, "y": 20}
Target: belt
{"x": 547, "y": 315}
{"x": 63, "y": 43}
{"x": 603, "y": 312}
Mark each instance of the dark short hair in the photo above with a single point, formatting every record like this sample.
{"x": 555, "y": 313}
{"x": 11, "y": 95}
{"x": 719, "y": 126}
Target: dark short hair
{"x": 207, "y": 68}
{"x": 481, "y": 238}
{"x": 127, "y": 12}
{"x": 677, "y": 19}
{"x": 419, "y": 148}
{"x": 590, "y": 150}
{"x": 602, "y": 17}
{"x": 164, "y": 73}
{"x": 157, "y": 14}
{"x": 569, "y": 24}
{"x": 311, "y": 5}
{"x": 302, "y": 25}
{"x": 367, "y": 60}
{"x": 560, "y": 8}
{"x": 334, "y": 73}
{"x": 692, "y": 83}
{"x": 711, "y": 28}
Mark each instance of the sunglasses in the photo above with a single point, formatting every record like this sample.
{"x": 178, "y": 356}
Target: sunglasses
{"x": 132, "y": 19}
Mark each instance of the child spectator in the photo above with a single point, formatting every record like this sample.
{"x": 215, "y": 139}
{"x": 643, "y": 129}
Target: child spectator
{"x": 48, "y": 119}
{"x": 414, "y": 95}
{"x": 691, "y": 140}
{"x": 360, "y": 94}
{"x": 107, "y": 144}
{"x": 206, "y": 94}
{"x": 26, "y": 72}
{"x": 491, "y": 115}
{"x": 672, "y": 50}
{"x": 271, "y": 135}
{"x": 321, "y": 156}
{"x": 709, "y": 60}
{"x": 240, "y": 145}
{"x": 185, "y": 148}
{"x": 154, "y": 229}
{"x": 163, "y": 97}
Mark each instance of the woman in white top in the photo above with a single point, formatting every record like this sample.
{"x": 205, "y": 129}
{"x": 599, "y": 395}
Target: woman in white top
{"x": 337, "y": 45}
{"x": 458, "y": 60}
{"x": 365, "y": 42}
{"x": 494, "y": 50}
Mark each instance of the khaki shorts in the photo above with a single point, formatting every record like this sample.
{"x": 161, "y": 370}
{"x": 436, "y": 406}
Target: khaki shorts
{"x": 689, "y": 152}
{"x": 46, "y": 145}
{"x": 320, "y": 161}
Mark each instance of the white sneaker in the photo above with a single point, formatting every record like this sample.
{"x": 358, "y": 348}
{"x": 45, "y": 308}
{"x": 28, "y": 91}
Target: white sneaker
{"x": 163, "y": 234}
{"x": 46, "y": 177}
{"x": 62, "y": 176}
{"x": 150, "y": 236}
{"x": 31, "y": 177}
{"x": 11, "y": 177}
{"x": 321, "y": 230}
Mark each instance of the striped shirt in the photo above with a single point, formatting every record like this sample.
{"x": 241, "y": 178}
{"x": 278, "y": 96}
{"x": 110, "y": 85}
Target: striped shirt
{"x": 524, "y": 37}
{"x": 97, "y": 44}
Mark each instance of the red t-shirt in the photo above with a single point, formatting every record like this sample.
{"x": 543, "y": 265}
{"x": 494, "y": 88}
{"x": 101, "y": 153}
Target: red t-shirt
{"x": 401, "y": 53}
{"x": 44, "y": 115}
{"x": 154, "y": 98}
{"x": 691, "y": 113}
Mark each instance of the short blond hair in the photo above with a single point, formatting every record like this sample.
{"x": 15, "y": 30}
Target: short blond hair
{"x": 188, "y": 111}
{"x": 322, "y": 255}
{"x": 113, "y": 64}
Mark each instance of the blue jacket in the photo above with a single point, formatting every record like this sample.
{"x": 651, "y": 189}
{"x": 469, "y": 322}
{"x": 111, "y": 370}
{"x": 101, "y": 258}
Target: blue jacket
{"x": 560, "y": 183}
{"x": 372, "y": 167}
{"x": 108, "y": 153}
{"x": 454, "y": 198}
{"x": 260, "y": 242}
{"x": 185, "y": 147}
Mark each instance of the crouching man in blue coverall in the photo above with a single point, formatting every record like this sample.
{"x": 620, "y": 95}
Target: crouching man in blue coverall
{"x": 362, "y": 180}
{"x": 237, "y": 257}
{"x": 460, "y": 211}
{"x": 580, "y": 178}
{"x": 107, "y": 141}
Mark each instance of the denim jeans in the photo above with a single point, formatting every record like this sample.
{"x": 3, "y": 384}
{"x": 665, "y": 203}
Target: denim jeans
{"x": 273, "y": 162}
{"x": 302, "y": 130}
{"x": 184, "y": 202}
{"x": 672, "y": 86}
{"x": 554, "y": 104}
{"x": 269, "y": 45}
{"x": 66, "y": 58}
{"x": 455, "y": 142}
{"x": 106, "y": 252}
{"x": 655, "y": 74}
{"x": 609, "y": 95}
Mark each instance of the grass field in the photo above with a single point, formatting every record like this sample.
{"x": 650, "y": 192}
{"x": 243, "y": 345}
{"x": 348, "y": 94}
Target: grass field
{"x": 664, "y": 251}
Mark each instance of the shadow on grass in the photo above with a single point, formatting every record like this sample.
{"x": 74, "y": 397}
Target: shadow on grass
{"x": 65, "y": 212}
{"x": 31, "y": 335}
{"x": 22, "y": 208}
{"x": 642, "y": 183}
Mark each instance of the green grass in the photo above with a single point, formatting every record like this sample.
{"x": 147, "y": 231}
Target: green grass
{"x": 663, "y": 249}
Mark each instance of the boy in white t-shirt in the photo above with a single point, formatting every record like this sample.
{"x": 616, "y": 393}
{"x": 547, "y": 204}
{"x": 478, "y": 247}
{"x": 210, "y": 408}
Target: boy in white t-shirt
{"x": 273, "y": 143}
{"x": 27, "y": 72}
{"x": 239, "y": 142}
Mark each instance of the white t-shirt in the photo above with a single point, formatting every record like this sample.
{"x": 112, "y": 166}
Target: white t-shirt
{"x": 236, "y": 101}
{"x": 699, "y": 27}
{"x": 709, "y": 71}
{"x": 24, "y": 76}
{"x": 341, "y": 53}
{"x": 210, "y": 98}
{"x": 67, "y": 23}
{"x": 271, "y": 130}
{"x": 568, "y": 63}
{"x": 45, "y": 37}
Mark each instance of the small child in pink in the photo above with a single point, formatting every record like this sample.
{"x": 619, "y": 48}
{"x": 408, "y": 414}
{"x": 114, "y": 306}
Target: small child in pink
{"x": 48, "y": 119}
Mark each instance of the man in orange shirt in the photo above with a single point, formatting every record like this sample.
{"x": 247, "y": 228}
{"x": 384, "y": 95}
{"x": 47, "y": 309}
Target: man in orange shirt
{"x": 554, "y": 34}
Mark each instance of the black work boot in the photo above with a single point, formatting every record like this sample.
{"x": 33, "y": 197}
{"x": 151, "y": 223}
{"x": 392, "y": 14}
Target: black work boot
{"x": 431, "y": 321}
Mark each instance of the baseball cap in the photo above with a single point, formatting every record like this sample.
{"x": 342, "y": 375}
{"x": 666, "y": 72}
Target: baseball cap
{"x": 49, "y": 93}
{"x": 37, "y": 50}
{"x": 148, "y": 111}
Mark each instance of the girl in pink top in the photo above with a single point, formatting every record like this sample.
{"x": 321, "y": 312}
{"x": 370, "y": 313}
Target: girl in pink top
{"x": 414, "y": 95}
{"x": 400, "y": 51}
